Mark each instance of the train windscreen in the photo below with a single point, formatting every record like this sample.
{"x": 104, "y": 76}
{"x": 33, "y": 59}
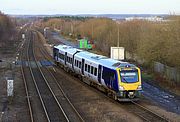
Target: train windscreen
{"x": 129, "y": 76}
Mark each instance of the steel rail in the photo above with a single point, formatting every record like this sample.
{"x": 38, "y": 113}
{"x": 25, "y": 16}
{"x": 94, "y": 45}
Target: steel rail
{"x": 42, "y": 102}
{"x": 60, "y": 87}
{"x": 150, "y": 111}
{"x": 54, "y": 96}
{"x": 52, "y": 93}
{"x": 27, "y": 93}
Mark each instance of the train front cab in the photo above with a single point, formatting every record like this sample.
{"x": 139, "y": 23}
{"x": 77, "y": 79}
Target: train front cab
{"x": 129, "y": 80}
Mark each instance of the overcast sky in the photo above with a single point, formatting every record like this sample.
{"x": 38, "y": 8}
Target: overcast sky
{"x": 90, "y": 6}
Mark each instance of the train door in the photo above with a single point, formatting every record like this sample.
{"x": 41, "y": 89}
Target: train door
{"x": 73, "y": 59}
{"x": 65, "y": 58}
{"x": 99, "y": 73}
{"x": 82, "y": 68}
{"x": 55, "y": 53}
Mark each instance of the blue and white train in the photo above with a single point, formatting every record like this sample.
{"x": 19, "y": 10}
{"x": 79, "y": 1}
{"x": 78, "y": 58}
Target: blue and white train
{"x": 121, "y": 80}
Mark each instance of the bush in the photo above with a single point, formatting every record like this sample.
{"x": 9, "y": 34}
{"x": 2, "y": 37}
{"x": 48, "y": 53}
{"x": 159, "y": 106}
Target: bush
{"x": 7, "y": 29}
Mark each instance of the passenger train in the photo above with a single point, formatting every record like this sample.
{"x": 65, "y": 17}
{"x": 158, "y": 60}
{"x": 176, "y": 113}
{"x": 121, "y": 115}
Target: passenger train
{"x": 118, "y": 79}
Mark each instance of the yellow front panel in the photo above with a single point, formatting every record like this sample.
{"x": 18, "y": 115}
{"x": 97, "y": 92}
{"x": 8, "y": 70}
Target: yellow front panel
{"x": 129, "y": 86}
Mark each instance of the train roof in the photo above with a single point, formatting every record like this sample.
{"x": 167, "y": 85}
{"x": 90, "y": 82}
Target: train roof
{"x": 103, "y": 60}
{"x": 63, "y": 47}
{"x": 66, "y": 48}
{"x": 95, "y": 58}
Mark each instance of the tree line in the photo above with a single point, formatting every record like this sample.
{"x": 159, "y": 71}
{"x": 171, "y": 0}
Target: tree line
{"x": 150, "y": 41}
{"x": 7, "y": 31}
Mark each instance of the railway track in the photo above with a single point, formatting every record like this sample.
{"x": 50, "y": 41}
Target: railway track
{"x": 73, "y": 113}
{"x": 35, "y": 110}
{"x": 51, "y": 106}
{"x": 147, "y": 114}
{"x": 50, "y": 103}
{"x": 27, "y": 93}
{"x": 26, "y": 80}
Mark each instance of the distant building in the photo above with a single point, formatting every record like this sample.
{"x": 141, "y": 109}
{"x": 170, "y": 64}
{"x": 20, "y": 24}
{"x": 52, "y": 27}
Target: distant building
{"x": 153, "y": 19}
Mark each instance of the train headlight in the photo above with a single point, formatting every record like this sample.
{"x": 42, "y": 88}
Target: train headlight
{"x": 121, "y": 88}
{"x": 139, "y": 87}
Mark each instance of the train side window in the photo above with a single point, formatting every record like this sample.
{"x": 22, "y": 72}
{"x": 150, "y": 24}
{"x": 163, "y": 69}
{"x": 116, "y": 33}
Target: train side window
{"x": 79, "y": 64}
{"x": 88, "y": 68}
{"x": 85, "y": 67}
{"x": 92, "y": 69}
{"x": 62, "y": 57}
{"x": 95, "y": 71}
{"x": 75, "y": 62}
{"x": 71, "y": 61}
{"x": 108, "y": 75}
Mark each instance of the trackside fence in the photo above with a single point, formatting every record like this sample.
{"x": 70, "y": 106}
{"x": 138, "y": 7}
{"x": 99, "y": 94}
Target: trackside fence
{"x": 171, "y": 73}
